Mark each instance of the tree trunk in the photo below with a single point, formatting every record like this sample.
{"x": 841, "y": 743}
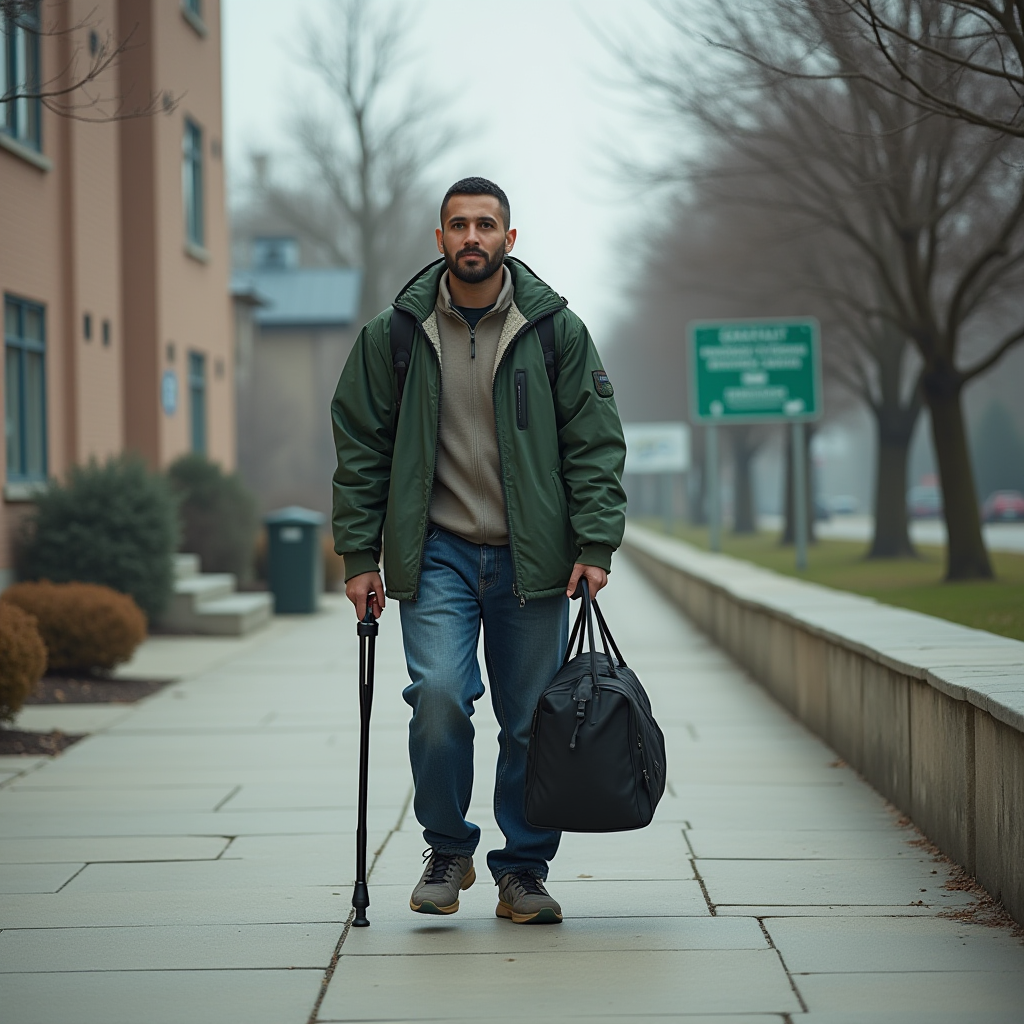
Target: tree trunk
{"x": 966, "y": 555}
{"x": 743, "y": 452}
{"x": 892, "y": 535}
{"x": 788, "y": 537}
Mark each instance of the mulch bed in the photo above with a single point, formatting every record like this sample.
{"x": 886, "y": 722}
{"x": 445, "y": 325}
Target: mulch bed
{"x": 78, "y": 690}
{"x": 35, "y": 744}
{"x": 72, "y": 690}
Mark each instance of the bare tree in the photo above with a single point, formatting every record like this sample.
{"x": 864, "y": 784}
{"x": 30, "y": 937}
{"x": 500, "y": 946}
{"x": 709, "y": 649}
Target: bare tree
{"x": 934, "y": 208}
{"x": 85, "y": 86}
{"x": 974, "y": 43}
{"x": 365, "y": 158}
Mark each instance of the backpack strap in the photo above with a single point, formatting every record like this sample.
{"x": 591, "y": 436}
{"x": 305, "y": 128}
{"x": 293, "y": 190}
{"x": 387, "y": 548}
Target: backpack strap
{"x": 546, "y": 333}
{"x": 401, "y": 334}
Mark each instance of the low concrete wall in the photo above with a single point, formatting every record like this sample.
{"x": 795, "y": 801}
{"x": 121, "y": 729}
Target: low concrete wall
{"x": 930, "y": 713}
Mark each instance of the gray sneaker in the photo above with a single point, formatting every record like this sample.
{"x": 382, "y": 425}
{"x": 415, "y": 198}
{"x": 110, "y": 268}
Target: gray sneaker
{"x": 523, "y": 899}
{"x": 445, "y": 874}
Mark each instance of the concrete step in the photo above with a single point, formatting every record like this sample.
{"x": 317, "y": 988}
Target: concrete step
{"x": 186, "y": 565}
{"x": 207, "y": 603}
{"x": 234, "y": 615}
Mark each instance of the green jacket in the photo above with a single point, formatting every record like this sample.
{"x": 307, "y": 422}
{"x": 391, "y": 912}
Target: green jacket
{"x": 562, "y": 472}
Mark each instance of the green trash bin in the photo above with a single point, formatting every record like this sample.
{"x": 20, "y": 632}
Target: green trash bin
{"x": 295, "y": 567}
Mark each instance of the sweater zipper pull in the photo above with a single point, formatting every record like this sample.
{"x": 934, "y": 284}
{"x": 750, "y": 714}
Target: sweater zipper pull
{"x": 472, "y": 343}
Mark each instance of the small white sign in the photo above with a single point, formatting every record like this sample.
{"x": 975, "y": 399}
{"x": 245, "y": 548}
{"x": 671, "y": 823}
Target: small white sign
{"x": 657, "y": 447}
{"x": 291, "y": 534}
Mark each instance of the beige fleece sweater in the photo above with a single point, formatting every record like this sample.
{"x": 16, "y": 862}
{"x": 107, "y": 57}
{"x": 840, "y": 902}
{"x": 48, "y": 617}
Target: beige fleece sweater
{"x": 468, "y": 498}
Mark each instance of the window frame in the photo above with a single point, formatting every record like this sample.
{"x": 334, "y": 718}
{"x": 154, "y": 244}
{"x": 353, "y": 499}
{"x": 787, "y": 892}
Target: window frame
{"x": 21, "y": 46}
{"x": 198, "y": 405}
{"x": 22, "y": 345}
{"x": 193, "y": 184}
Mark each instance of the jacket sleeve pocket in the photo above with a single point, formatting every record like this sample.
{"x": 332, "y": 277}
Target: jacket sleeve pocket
{"x": 522, "y": 420}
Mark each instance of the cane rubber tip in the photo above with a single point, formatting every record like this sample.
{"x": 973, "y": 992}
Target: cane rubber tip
{"x": 360, "y": 922}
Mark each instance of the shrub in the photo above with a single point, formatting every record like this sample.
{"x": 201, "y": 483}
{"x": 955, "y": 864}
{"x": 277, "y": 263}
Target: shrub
{"x": 218, "y": 516}
{"x": 84, "y": 626}
{"x": 114, "y": 524}
{"x": 22, "y": 658}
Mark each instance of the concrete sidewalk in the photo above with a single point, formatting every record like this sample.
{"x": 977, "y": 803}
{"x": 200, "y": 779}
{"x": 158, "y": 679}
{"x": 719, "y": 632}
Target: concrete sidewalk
{"x": 192, "y": 862}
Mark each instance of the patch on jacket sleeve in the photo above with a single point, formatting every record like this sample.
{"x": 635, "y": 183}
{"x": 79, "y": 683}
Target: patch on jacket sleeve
{"x": 602, "y": 385}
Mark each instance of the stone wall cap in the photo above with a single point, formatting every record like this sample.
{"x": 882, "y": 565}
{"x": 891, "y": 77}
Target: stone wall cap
{"x": 968, "y": 664}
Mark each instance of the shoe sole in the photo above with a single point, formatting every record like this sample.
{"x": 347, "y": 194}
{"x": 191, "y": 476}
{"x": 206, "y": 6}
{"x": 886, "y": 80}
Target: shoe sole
{"x": 545, "y": 916}
{"x": 429, "y": 907}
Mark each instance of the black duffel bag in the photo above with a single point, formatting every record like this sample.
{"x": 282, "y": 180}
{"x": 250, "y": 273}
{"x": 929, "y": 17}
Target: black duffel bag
{"x": 596, "y": 761}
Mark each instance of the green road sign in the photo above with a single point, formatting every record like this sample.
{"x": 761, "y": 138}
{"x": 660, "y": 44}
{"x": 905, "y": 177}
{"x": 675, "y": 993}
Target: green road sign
{"x": 755, "y": 371}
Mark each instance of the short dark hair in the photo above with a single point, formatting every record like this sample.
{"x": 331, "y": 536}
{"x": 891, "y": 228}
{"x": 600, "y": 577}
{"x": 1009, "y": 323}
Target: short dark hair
{"x": 479, "y": 187}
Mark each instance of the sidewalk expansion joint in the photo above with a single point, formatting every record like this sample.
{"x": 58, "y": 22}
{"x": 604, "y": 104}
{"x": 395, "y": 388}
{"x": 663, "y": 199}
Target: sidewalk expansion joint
{"x": 782, "y": 961}
{"x": 336, "y": 956}
{"x": 233, "y": 792}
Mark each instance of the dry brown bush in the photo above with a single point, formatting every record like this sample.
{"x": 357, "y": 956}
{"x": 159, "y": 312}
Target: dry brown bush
{"x": 85, "y": 626}
{"x": 22, "y": 658}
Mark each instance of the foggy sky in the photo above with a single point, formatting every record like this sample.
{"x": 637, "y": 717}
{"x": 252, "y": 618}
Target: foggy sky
{"x": 526, "y": 76}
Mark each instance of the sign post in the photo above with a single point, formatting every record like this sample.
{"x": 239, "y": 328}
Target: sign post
{"x": 662, "y": 449}
{"x": 756, "y": 371}
{"x": 714, "y": 488}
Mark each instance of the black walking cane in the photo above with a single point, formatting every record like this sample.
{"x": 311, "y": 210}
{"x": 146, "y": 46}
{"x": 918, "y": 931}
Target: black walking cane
{"x": 367, "y": 633}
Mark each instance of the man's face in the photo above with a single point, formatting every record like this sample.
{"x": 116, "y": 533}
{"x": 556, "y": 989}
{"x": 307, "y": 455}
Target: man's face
{"x": 473, "y": 239}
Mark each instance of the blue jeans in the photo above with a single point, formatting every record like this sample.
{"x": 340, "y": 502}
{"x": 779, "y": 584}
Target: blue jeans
{"x": 462, "y": 585}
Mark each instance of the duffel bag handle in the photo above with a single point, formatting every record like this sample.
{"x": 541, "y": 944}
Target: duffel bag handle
{"x": 585, "y": 611}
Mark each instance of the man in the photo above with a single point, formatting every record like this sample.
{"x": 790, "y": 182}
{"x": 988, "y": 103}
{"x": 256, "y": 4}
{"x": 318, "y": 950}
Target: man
{"x": 493, "y": 491}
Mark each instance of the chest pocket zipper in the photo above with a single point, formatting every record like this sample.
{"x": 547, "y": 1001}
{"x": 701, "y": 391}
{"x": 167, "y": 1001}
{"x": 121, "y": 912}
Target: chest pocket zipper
{"x": 522, "y": 420}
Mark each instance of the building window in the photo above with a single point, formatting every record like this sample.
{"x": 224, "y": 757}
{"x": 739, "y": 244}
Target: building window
{"x": 197, "y": 400}
{"x": 20, "y": 115}
{"x": 275, "y": 253}
{"x": 25, "y": 390}
{"x": 192, "y": 183}
{"x": 193, "y": 7}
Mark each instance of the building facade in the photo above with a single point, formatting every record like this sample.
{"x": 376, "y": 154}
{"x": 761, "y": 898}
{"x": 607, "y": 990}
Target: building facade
{"x": 114, "y": 254}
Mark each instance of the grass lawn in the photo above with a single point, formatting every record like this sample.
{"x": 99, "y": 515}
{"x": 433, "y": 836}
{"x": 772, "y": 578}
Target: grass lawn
{"x": 997, "y": 606}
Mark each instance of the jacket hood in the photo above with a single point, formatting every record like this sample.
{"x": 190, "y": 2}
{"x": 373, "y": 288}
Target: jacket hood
{"x": 533, "y": 297}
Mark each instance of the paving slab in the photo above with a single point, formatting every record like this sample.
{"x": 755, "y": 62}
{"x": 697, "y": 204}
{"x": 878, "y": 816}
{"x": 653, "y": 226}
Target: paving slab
{"x": 161, "y": 997}
{"x": 41, "y": 878}
{"x": 111, "y": 848}
{"x": 722, "y": 981}
{"x": 168, "y": 948}
{"x": 70, "y": 718}
{"x": 423, "y": 937}
{"x": 816, "y": 946}
{"x": 848, "y": 882}
{"x": 967, "y": 993}
{"x": 794, "y": 844}
{"x": 295, "y": 904}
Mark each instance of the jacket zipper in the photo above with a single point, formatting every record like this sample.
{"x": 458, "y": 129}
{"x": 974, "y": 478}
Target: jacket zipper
{"x": 504, "y": 486}
{"x": 433, "y": 470}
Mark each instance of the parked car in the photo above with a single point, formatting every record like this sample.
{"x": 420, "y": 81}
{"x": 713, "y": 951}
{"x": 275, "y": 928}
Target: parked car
{"x": 843, "y": 505}
{"x": 1003, "y": 506}
{"x": 924, "y": 502}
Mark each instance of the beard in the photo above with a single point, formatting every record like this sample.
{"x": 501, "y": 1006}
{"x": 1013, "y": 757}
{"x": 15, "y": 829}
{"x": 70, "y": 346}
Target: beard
{"x": 474, "y": 275}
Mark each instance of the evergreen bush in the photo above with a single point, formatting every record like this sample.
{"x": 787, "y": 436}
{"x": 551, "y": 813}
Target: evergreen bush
{"x": 114, "y": 524}
{"x": 22, "y": 658}
{"x": 85, "y": 627}
{"x": 218, "y": 516}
